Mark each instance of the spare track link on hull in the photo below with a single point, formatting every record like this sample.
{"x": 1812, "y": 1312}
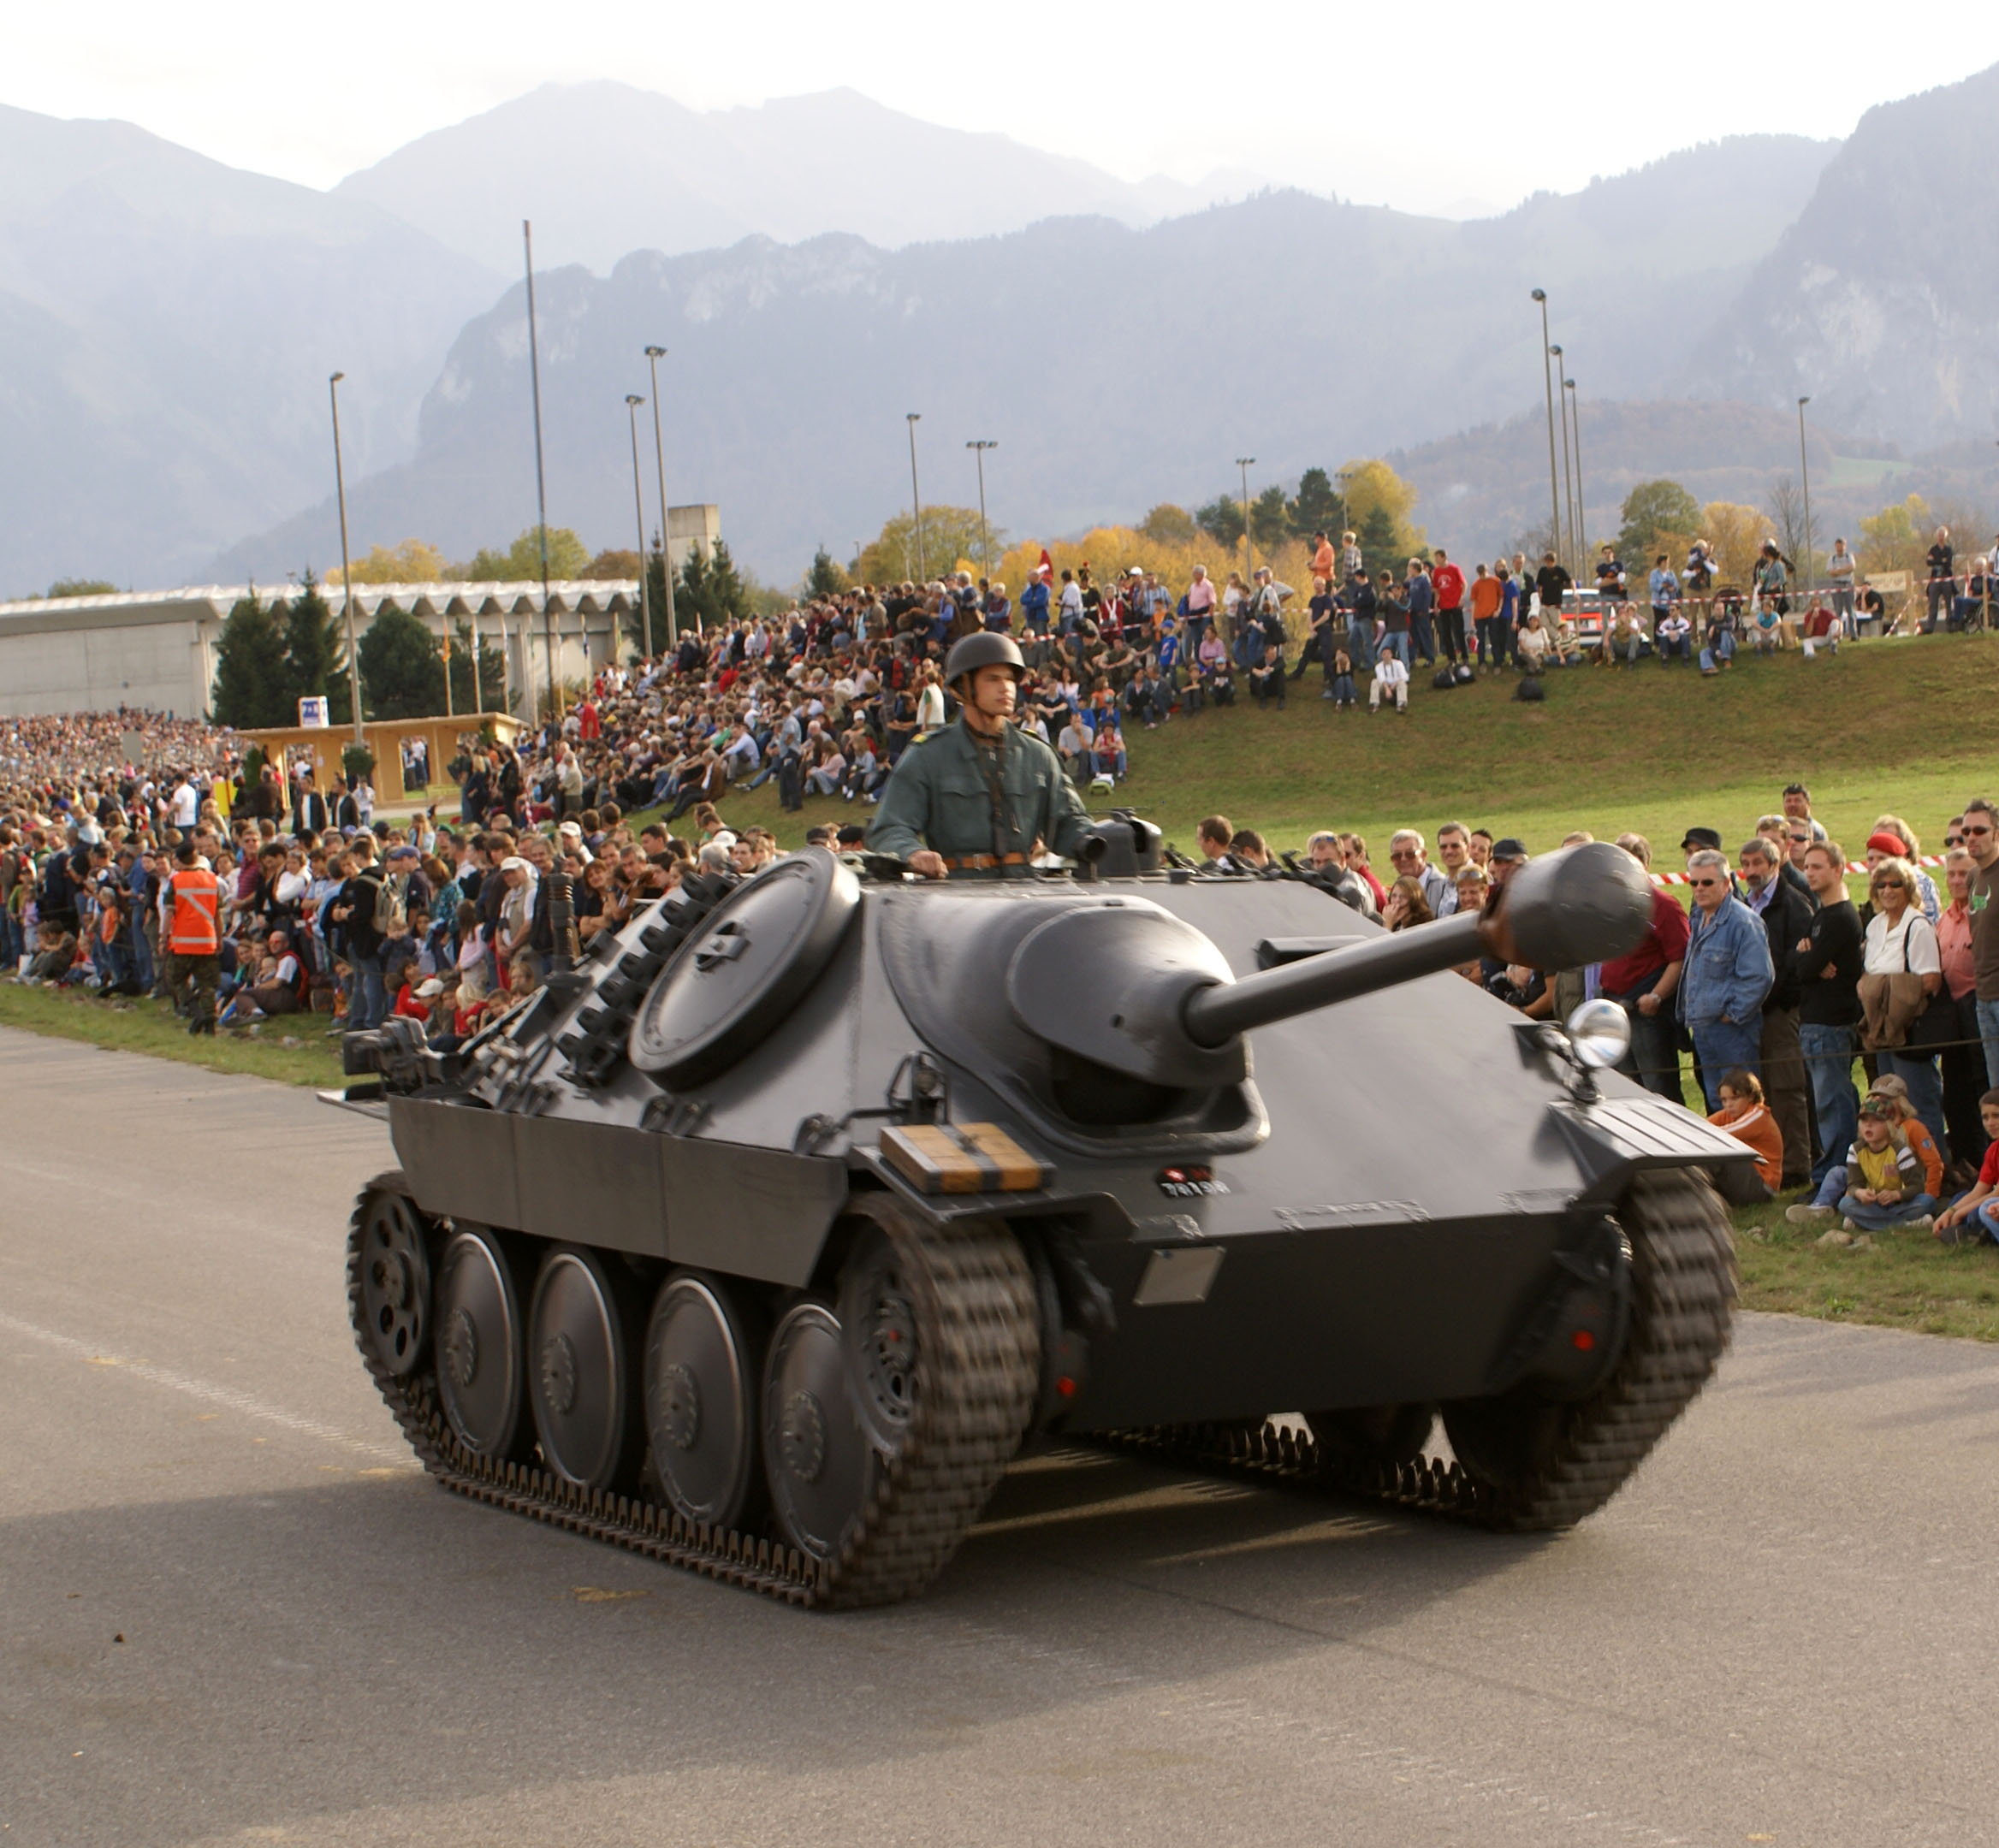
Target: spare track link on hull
{"x": 1684, "y": 1276}
{"x": 932, "y": 1492}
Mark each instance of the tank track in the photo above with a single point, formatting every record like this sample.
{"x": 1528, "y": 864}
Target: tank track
{"x": 932, "y": 1492}
{"x": 1683, "y": 1273}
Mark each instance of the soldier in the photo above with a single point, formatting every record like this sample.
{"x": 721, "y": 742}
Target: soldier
{"x": 193, "y": 937}
{"x": 973, "y": 799}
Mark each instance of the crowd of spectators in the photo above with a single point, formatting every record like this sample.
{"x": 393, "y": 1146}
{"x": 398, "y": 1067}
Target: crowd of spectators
{"x": 1771, "y": 978}
{"x": 1776, "y": 982}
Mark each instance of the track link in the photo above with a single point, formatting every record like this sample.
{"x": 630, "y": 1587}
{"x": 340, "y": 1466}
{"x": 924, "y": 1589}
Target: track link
{"x": 976, "y": 1314}
{"x": 1683, "y": 1275}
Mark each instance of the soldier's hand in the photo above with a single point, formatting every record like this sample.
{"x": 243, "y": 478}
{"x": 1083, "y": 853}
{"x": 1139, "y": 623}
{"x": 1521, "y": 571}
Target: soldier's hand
{"x": 927, "y": 864}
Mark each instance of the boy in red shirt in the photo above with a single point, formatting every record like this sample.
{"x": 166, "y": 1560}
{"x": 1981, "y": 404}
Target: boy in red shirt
{"x": 1973, "y": 1219}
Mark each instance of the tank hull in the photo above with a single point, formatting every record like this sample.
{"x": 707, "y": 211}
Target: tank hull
{"x": 1374, "y": 1218}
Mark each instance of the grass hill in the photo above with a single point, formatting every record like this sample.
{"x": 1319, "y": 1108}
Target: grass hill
{"x": 1902, "y": 726}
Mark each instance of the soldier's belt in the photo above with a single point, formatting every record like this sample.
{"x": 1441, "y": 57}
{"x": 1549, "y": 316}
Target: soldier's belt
{"x": 981, "y": 863}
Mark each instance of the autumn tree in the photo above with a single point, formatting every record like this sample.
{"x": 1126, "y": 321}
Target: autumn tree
{"x": 413, "y": 561}
{"x": 950, "y": 534}
{"x": 1896, "y": 538}
{"x": 249, "y": 677}
{"x": 83, "y": 587}
{"x": 1168, "y": 524}
{"x": 1657, "y": 515}
{"x": 611, "y": 566}
{"x": 1736, "y": 535}
{"x": 1374, "y": 484}
{"x": 521, "y": 562}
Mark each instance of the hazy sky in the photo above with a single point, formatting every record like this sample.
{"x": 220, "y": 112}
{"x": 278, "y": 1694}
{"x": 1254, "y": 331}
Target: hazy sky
{"x": 1438, "y": 106}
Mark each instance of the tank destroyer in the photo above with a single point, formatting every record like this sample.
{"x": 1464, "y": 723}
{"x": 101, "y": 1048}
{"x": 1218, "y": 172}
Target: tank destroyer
{"x": 762, "y": 1237}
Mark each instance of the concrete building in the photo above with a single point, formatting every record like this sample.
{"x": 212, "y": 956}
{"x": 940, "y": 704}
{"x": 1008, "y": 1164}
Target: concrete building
{"x": 692, "y": 530}
{"x": 155, "y": 649}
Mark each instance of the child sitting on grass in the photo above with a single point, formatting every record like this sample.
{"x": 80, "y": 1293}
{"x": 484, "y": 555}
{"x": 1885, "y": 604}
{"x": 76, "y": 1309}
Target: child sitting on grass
{"x": 1893, "y": 1095}
{"x": 1745, "y": 1117}
{"x": 1884, "y": 1175}
{"x": 1973, "y": 1219}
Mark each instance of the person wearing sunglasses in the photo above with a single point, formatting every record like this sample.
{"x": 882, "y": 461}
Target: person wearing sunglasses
{"x": 1981, "y": 841}
{"x": 1727, "y": 975}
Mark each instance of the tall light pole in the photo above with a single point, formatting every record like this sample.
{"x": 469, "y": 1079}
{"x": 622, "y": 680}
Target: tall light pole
{"x": 1248, "y": 537}
{"x": 1548, "y": 383}
{"x": 632, "y": 401}
{"x": 1805, "y": 476}
{"x": 534, "y": 372}
{"x": 1581, "y": 505}
{"x": 914, "y": 418}
{"x": 1567, "y": 479}
{"x": 653, "y": 355}
{"x": 979, "y": 449}
{"x": 347, "y": 574}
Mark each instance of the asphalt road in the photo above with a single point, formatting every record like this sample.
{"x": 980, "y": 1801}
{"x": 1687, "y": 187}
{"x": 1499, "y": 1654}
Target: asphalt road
{"x": 1784, "y": 1630}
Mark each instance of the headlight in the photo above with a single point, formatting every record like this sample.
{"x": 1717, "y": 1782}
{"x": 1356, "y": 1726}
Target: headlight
{"x": 1600, "y": 1032}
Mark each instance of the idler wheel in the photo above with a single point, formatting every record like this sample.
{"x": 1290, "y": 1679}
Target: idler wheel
{"x": 1374, "y": 1434}
{"x": 396, "y": 1283}
{"x": 703, "y": 1379}
{"x": 481, "y": 1355}
{"x": 579, "y": 1370}
{"x": 821, "y": 1466}
{"x": 878, "y": 1325}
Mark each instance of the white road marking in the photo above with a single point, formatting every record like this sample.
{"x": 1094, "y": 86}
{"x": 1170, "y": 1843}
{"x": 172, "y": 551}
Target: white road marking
{"x": 207, "y": 1390}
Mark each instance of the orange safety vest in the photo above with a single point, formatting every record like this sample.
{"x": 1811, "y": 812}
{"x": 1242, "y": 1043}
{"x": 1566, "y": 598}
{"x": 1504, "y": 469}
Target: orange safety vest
{"x": 197, "y": 897}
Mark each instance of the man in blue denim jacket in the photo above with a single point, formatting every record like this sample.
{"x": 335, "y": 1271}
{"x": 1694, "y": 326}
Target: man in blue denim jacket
{"x": 1727, "y": 975}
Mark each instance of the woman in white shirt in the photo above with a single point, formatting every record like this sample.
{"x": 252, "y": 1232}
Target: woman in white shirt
{"x": 1901, "y": 941}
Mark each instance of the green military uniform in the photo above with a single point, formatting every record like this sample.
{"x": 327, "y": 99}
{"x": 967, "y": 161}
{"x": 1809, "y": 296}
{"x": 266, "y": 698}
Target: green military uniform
{"x": 972, "y": 802}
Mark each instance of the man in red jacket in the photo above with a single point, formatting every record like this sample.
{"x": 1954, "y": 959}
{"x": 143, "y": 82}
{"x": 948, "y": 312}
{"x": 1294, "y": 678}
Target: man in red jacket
{"x": 1642, "y": 984}
{"x": 1448, "y": 581}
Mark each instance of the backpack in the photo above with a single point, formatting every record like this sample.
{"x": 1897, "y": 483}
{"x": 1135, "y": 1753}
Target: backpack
{"x": 1530, "y": 689}
{"x": 1443, "y": 680}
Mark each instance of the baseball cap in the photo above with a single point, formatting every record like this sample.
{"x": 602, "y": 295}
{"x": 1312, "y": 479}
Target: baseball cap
{"x": 514, "y": 863}
{"x": 1507, "y": 849}
{"x": 432, "y": 987}
{"x": 1707, "y": 838}
{"x": 404, "y": 852}
{"x": 1888, "y": 1086}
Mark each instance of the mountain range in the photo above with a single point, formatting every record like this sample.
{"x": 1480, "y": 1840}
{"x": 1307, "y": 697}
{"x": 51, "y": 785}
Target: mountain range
{"x": 604, "y": 169}
{"x": 1115, "y": 365}
{"x": 819, "y": 267}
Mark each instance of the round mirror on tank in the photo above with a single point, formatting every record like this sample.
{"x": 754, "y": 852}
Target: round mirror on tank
{"x": 1600, "y": 1030}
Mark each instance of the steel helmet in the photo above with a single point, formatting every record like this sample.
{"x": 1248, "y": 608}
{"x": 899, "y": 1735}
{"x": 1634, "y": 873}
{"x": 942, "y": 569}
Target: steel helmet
{"x": 987, "y": 649}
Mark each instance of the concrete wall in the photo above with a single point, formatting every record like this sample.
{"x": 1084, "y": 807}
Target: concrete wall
{"x": 157, "y": 649}
{"x": 161, "y": 665}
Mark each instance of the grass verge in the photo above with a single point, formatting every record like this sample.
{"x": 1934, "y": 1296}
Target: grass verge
{"x": 1907, "y": 1281}
{"x": 149, "y": 1026}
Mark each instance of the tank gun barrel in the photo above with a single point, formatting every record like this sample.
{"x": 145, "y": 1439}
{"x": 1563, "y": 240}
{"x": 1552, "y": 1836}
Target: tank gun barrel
{"x": 1584, "y": 904}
